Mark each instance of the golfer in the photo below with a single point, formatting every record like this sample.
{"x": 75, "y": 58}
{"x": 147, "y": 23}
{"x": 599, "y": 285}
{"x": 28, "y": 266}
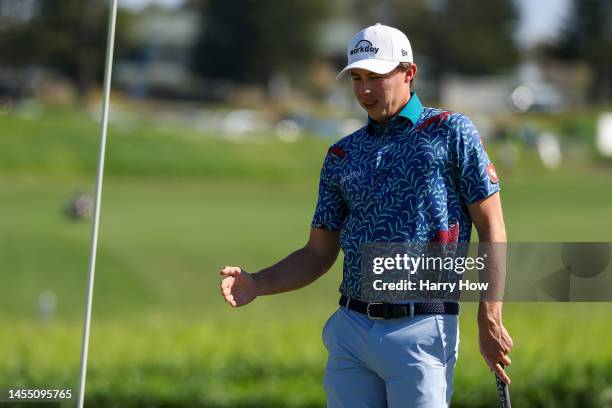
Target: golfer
{"x": 412, "y": 174}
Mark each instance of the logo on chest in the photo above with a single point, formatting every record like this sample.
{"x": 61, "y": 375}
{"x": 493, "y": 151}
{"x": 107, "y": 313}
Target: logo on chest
{"x": 352, "y": 175}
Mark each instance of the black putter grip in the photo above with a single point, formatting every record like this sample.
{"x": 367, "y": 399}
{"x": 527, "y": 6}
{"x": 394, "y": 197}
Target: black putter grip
{"x": 502, "y": 390}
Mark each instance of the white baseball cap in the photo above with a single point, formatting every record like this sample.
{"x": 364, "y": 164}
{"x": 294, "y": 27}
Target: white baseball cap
{"x": 378, "y": 48}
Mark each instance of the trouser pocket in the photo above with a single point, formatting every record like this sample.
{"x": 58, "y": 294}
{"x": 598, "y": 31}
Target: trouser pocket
{"x": 447, "y": 326}
{"x": 326, "y": 329}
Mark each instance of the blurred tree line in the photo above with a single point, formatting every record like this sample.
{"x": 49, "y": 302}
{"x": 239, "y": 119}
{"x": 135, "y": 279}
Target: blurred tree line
{"x": 460, "y": 36}
{"x": 68, "y": 36}
{"x": 247, "y": 41}
{"x": 587, "y": 37}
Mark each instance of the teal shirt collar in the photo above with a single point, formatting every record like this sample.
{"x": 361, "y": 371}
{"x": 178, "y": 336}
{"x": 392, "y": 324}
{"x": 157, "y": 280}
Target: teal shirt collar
{"x": 411, "y": 111}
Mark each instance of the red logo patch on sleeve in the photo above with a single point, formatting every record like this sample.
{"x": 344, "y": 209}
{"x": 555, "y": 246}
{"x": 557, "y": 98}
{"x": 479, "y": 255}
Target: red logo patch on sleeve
{"x": 337, "y": 151}
{"x": 492, "y": 173}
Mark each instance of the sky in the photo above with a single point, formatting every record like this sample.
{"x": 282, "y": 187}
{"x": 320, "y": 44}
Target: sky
{"x": 540, "y": 19}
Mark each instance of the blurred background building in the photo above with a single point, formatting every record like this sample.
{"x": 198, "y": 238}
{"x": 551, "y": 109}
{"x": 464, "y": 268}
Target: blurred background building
{"x": 272, "y": 65}
{"x": 164, "y": 46}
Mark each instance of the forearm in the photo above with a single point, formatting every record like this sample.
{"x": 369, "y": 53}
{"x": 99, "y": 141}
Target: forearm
{"x": 297, "y": 270}
{"x": 492, "y": 243}
{"x": 494, "y": 341}
{"x": 490, "y": 312}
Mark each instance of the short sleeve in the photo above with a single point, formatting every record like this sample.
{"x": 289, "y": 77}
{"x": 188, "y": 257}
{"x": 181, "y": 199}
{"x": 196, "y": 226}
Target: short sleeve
{"x": 477, "y": 176}
{"x": 331, "y": 207}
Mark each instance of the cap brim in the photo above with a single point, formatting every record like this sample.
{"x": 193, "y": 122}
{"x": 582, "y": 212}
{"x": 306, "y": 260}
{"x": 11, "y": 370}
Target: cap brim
{"x": 375, "y": 65}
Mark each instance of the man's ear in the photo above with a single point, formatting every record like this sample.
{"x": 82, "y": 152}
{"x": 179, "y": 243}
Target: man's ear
{"x": 410, "y": 73}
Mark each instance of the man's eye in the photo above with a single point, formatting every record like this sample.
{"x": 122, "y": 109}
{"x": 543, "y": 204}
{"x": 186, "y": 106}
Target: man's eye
{"x": 355, "y": 78}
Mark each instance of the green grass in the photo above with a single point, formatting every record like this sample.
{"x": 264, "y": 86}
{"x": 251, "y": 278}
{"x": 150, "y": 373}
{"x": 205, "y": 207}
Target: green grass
{"x": 176, "y": 207}
{"x": 65, "y": 143}
{"x": 248, "y": 362}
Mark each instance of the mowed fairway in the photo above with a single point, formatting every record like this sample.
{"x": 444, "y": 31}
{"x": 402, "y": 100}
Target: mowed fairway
{"x": 177, "y": 206}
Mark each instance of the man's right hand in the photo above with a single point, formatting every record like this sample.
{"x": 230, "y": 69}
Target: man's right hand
{"x": 296, "y": 270}
{"x": 238, "y": 287}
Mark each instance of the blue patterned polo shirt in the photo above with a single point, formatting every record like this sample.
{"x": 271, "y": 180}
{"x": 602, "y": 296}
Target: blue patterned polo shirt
{"x": 408, "y": 182}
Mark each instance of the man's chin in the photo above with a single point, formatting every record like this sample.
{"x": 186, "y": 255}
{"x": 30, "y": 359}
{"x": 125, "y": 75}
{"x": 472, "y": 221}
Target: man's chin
{"x": 378, "y": 117}
{"x": 374, "y": 114}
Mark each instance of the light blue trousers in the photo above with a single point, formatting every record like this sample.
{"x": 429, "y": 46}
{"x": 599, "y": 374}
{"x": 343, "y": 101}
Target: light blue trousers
{"x": 397, "y": 363}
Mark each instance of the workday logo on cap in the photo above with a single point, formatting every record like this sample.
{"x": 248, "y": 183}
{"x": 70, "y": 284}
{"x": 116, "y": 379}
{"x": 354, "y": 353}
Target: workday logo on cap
{"x": 378, "y": 48}
{"x": 363, "y": 46}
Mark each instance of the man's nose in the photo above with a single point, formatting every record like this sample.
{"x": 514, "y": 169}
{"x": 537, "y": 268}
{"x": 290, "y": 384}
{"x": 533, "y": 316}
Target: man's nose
{"x": 364, "y": 87}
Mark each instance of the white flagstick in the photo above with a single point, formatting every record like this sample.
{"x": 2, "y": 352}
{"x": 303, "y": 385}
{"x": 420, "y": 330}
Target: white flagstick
{"x": 112, "y": 17}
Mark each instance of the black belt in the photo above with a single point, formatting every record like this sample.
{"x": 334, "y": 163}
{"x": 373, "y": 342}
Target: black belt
{"x": 377, "y": 310}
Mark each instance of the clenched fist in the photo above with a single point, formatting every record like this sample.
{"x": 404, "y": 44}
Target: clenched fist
{"x": 238, "y": 287}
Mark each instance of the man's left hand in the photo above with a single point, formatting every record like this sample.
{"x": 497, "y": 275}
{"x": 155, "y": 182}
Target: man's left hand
{"x": 495, "y": 343}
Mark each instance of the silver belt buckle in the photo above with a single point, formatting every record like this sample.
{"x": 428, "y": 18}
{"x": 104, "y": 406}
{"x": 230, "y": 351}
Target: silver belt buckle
{"x": 368, "y": 311}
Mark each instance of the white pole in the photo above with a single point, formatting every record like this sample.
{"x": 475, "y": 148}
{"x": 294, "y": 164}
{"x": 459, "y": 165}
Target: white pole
{"x": 110, "y": 43}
